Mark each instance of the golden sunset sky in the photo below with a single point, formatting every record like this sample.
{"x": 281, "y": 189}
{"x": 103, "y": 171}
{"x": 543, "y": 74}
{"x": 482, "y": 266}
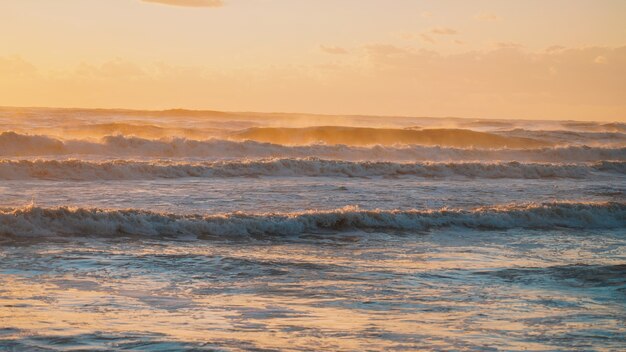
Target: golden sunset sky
{"x": 548, "y": 59}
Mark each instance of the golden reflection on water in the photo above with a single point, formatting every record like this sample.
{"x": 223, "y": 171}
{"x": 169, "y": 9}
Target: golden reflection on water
{"x": 362, "y": 298}
{"x": 251, "y": 319}
{"x": 37, "y": 307}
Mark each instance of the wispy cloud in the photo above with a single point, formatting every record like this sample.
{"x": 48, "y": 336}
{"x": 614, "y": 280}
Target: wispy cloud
{"x": 189, "y": 3}
{"x": 493, "y": 81}
{"x": 507, "y": 45}
{"x": 114, "y": 69}
{"x": 487, "y": 16}
{"x": 384, "y": 49}
{"x": 426, "y": 14}
{"x": 600, "y": 60}
{"x": 443, "y": 31}
{"x": 429, "y": 35}
{"x": 335, "y": 50}
{"x": 15, "y": 66}
{"x": 427, "y": 38}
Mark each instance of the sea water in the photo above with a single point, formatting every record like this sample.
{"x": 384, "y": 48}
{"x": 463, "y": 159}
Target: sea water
{"x": 162, "y": 231}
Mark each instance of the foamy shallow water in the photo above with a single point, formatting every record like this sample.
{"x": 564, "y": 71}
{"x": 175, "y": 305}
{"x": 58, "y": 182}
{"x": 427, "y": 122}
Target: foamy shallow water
{"x": 139, "y": 243}
{"x": 289, "y": 194}
{"x": 449, "y": 289}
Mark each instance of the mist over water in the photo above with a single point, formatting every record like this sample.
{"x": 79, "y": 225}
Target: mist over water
{"x": 202, "y": 230}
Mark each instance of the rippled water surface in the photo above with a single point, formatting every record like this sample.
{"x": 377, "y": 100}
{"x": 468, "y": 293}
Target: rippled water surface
{"x": 288, "y": 194}
{"x": 201, "y": 242}
{"x": 450, "y": 289}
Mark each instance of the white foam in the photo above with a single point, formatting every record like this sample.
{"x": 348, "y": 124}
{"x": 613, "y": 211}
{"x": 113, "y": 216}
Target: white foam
{"x": 310, "y": 167}
{"x": 12, "y": 144}
{"x": 564, "y": 137}
{"x": 63, "y": 221}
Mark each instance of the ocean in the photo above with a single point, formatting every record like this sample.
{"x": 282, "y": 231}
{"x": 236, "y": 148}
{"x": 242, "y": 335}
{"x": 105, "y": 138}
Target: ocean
{"x": 202, "y": 230}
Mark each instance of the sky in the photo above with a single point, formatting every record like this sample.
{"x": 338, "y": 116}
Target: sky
{"x": 531, "y": 59}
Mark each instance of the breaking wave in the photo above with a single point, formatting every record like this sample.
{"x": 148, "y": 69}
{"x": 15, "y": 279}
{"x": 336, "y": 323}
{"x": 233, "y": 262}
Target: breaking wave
{"x": 594, "y": 126}
{"x": 13, "y": 144}
{"x": 130, "y": 170}
{"x": 142, "y": 130}
{"x": 64, "y": 221}
{"x": 563, "y": 137}
{"x": 460, "y": 138}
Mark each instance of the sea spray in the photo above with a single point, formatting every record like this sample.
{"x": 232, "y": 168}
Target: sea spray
{"x": 13, "y": 144}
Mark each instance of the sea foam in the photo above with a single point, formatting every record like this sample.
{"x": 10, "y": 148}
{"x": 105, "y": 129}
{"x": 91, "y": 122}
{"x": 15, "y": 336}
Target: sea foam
{"x": 13, "y": 144}
{"x": 64, "y": 221}
{"x": 79, "y": 170}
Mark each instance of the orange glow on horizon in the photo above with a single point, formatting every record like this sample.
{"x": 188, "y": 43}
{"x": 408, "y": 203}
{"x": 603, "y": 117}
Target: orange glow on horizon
{"x": 416, "y": 58}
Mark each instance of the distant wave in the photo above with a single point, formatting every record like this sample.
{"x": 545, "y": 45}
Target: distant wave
{"x": 143, "y": 130}
{"x": 594, "y": 126}
{"x": 64, "y": 221}
{"x": 562, "y": 137}
{"x": 13, "y": 144}
{"x": 311, "y": 167}
{"x": 460, "y": 138}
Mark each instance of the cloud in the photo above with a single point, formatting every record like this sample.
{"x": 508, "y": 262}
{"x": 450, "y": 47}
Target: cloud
{"x": 507, "y": 45}
{"x": 384, "y": 50}
{"x": 555, "y": 48}
{"x": 487, "y": 17}
{"x": 504, "y": 81}
{"x": 443, "y": 31}
{"x": 429, "y": 35}
{"x": 335, "y": 50}
{"x": 114, "y": 69}
{"x": 189, "y": 3}
{"x": 426, "y": 14}
{"x": 588, "y": 78}
{"x": 16, "y": 66}
{"x": 600, "y": 60}
{"x": 427, "y": 38}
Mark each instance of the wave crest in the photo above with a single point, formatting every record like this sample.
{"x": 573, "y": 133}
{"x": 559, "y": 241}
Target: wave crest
{"x": 13, "y": 144}
{"x": 64, "y": 221}
{"x": 460, "y": 138}
{"x": 79, "y": 170}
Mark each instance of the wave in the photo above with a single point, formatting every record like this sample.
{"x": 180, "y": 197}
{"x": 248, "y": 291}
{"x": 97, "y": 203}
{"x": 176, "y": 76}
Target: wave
{"x": 362, "y": 136}
{"x": 562, "y": 137}
{"x": 65, "y": 221}
{"x": 200, "y": 123}
{"x": 79, "y": 170}
{"x": 594, "y": 126}
{"x": 142, "y": 130}
{"x": 13, "y": 144}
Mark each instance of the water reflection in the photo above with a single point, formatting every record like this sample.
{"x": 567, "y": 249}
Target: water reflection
{"x": 452, "y": 289}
